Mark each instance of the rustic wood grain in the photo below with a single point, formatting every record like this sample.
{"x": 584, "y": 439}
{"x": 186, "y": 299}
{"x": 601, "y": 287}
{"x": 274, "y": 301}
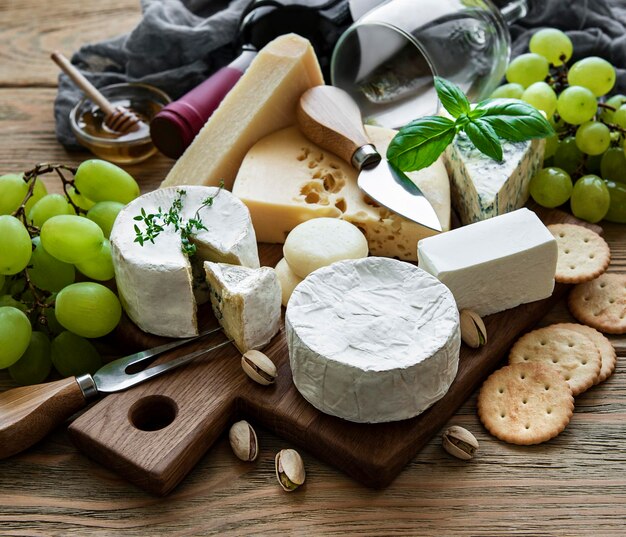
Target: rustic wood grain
{"x": 575, "y": 485}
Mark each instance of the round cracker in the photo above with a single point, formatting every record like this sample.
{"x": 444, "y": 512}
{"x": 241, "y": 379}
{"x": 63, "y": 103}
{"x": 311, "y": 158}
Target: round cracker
{"x": 583, "y": 254}
{"x": 574, "y": 355}
{"x": 607, "y": 351}
{"x": 525, "y": 403}
{"x": 601, "y": 303}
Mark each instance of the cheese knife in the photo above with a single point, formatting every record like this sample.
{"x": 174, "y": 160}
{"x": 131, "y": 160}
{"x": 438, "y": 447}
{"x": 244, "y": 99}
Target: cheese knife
{"x": 330, "y": 118}
{"x": 28, "y": 413}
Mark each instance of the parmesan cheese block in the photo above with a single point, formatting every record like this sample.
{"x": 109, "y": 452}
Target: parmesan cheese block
{"x": 246, "y": 303}
{"x": 372, "y": 340}
{"x": 263, "y": 101}
{"x": 156, "y": 282}
{"x": 285, "y": 180}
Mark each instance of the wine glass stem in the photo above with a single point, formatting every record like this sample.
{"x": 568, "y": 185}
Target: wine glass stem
{"x": 514, "y": 11}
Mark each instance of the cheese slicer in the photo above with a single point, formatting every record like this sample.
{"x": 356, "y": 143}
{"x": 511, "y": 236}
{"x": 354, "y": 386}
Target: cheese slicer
{"x": 28, "y": 413}
{"x": 329, "y": 117}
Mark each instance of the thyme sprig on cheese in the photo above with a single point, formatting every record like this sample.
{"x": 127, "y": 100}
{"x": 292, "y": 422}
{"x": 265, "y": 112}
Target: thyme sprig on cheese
{"x": 155, "y": 222}
{"x": 421, "y": 142}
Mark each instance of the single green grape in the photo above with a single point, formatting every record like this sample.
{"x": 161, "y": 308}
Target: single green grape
{"x": 567, "y": 156}
{"x": 593, "y": 138}
{"x": 15, "y": 247}
{"x": 593, "y": 73}
{"x": 617, "y": 206}
{"x": 615, "y": 101}
{"x": 542, "y": 97}
{"x": 104, "y": 214}
{"x": 552, "y": 144}
{"x": 47, "y": 272}
{"x": 71, "y": 238}
{"x": 12, "y": 192}
{"x": 79, "y": 200}
{"x": 576, "y": 105}
{"x": 592, "y": 164}
{"x": 15, "y": 331}
{"x": 551, "y": 187}
{"x": 99, "y": 267}
{"x": 73, "y": 355}
{"x": 527, "y": 68}
{"x": 47, "y": 207}
{"x": 88, "y": 309}
{"x": 613, "y": 165}
{"x": 552, "y": 44}
{"x": 590, "y": 198}
{"x": 35, "y": 364}
{"x": 39, "y": 191}
{"x": 619, "y": 117}
{"x": 100, "y": 180}
{"x": 508, "y": 91}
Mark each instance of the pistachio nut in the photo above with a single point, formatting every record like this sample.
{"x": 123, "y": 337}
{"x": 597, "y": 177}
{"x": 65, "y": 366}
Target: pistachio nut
{"x": 473, "y": 331}
{"x": 259, "y": 367}
{"x": 459, "y": 442}
{"x": 243, "y": 440}
{"x": 289, "y": 469}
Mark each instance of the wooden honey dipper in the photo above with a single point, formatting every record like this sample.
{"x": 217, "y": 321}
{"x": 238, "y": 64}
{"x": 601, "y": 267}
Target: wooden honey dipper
{"x": 117, "y": 118}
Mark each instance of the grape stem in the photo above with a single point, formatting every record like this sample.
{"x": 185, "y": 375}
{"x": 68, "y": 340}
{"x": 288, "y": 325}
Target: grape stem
{"x": 607, "y": 106}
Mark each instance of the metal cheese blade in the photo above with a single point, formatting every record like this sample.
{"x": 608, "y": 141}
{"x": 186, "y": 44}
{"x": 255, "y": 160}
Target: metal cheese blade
{"x": 390, "y": 187}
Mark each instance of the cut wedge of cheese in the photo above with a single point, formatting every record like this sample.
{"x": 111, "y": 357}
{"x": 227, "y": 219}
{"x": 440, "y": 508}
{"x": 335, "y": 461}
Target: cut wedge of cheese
{"x": 156, "y": 282}
{"x": 482, "y": 187}
{"x": 246, "y": 303}
{"x": 285, "y": 180}
{"x": 372, "y": 340}
{"x": 263, "y": 101}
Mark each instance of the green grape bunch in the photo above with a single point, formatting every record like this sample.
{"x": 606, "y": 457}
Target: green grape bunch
{"x": 47, "y": 241}
{"x": 585, "y": 162}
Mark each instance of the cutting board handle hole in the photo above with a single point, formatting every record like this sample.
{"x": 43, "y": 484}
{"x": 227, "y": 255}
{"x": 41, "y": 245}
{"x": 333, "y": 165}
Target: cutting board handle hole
{"x": 153, "y": 413}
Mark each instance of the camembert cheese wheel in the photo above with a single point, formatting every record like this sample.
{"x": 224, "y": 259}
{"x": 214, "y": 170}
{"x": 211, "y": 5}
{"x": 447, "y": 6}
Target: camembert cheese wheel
{"x": 158, "y": 284}
{"x": 372, "y": 340}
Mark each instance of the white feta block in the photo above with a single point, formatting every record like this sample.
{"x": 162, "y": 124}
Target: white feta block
{"x": 495, "y": 264}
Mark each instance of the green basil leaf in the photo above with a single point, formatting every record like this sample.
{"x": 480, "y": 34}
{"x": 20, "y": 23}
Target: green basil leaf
{"x": 451, "y": 97}
{"x": 514, "y": 120}
{"x": 484, "y": 138}
{"x": 420, "y": 143}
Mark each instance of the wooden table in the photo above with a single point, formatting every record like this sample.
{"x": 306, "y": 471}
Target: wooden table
{"x": 573, "y": 485}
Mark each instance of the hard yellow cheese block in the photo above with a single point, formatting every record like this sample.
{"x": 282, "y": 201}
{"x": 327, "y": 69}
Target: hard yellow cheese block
{"x": 263, "y": 101}
{"x": 285, "y": 180}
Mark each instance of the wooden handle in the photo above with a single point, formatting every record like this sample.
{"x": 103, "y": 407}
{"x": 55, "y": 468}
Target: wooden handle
{"x": 27, "y": 414}
{"x": 83, "y": 83}
{"x": 329, "y": 117}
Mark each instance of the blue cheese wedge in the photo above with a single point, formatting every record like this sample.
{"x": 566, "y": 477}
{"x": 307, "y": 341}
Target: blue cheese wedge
{"x": 246, "y": 303}
{"x": 372, "y": 340}
{"x": 496, "y": 264}
{"x": 481, "y": 187}
{"x": 159, "y": 286}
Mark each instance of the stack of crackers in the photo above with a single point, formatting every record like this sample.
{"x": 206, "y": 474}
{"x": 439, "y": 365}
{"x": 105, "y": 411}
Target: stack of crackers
{"x": 531, "y": 400}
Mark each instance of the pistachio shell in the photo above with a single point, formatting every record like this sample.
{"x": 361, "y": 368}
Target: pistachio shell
{"x": 459, "y": 442}
{"x": 289, "y": 469}
{"x": 473, "y": 331}
{"x": 244, "y": 441}
{"x": 259, "y": 367}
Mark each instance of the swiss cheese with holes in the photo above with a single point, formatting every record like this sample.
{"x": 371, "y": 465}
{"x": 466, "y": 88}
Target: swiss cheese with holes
{"x": 285, "y": 180}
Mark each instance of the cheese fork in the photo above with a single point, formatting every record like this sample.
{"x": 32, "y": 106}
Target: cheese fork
{"x": 28, "y": 413}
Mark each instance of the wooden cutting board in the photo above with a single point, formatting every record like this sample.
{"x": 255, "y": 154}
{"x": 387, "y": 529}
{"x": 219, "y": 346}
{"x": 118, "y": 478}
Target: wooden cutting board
{"x": 155, "y": 433}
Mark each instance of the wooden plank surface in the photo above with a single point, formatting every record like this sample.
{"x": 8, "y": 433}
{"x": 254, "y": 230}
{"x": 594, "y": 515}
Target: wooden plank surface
{"x": 574, "y": 485}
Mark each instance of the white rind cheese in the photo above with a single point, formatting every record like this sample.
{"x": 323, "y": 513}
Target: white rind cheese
{"x": 372, "y": 340}
{"x": 496, "y": 264}
{"x": 156, "y": 281}
{"x": 482, "y": 187}
{"x": 246, "y": 303}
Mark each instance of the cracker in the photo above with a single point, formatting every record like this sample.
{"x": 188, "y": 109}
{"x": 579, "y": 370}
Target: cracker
{"x": 601, "y": 303}
{"x": 525, "y": 403}
{"x": 607, "y": 351}
{"x": 583, "y": 254}
{"x": 574, "y": 355}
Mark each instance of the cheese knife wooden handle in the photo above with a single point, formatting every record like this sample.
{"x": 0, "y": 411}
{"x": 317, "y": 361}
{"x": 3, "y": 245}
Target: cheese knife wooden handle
{"x": 29, "y": 413}
{"x": 330, "y": 118}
